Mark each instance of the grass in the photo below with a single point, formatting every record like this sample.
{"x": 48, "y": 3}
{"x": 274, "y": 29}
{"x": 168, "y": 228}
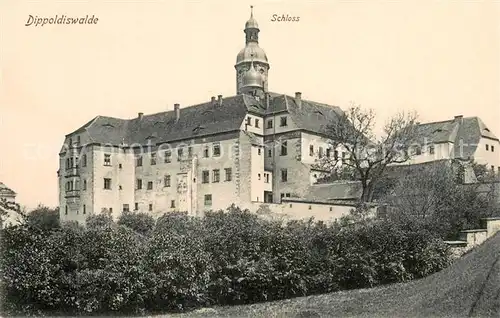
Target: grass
{"x": 470, "y": 287}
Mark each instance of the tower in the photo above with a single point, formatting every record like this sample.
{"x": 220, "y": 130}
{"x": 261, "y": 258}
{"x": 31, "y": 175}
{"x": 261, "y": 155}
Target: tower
{"x": 251, "y": 55}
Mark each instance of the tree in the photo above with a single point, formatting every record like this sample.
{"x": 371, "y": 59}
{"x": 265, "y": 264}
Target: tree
{"x": 44, "y": 217}
{"x": 432, "y": 195}
{"x": 368, "y": 156}
{"x": 139, "y": 222}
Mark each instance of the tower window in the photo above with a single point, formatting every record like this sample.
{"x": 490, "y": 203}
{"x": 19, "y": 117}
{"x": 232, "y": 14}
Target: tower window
{"x": 180, "y": 154}
{"x": 269, "y": 124}
{"x": 84, "y": 160}
{"x": 283, "y": 122}
{"x": 269, "y": 153}
{"x": 138, "y": 161}
{"x": 153, "y": 159}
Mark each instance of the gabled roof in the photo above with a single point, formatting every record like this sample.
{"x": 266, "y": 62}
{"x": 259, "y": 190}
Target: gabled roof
{"x": 205, "y": 119}
{"x": 464, "y": 133}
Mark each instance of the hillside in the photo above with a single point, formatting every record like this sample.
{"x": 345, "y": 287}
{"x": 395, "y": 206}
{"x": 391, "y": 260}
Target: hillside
{"x": 470, "y": 287}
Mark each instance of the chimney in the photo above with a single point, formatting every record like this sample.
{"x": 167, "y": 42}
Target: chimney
{"x": 459, "y": 117}
{"x": 139, "y": 115}
{"x": 219, "y": 99}
{"x": 268, "y": 98}
{"x": 177, "y": 109}
{"x": 298, "y": 99}
{"x": 212, "y": 99}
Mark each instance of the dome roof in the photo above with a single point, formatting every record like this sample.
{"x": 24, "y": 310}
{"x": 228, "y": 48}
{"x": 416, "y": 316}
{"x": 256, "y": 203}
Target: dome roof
{"x": 250, "y": 49}
{"x": 252, "y": 78}
{"x": 251, "y": 23}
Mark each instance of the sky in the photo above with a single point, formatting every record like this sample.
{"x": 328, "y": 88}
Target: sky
{"x": 438, "y": 58}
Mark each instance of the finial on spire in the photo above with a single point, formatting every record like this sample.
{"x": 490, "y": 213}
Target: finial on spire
{"x": 251, "y": 11}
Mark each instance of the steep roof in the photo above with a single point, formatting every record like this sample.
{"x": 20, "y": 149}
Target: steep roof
{"x": 205, "y": 119}
{"x": 344, "y": 190}
{"x": 464, "y": 133}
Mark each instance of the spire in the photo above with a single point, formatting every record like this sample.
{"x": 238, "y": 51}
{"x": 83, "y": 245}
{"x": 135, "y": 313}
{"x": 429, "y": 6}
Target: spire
{"x": 252, "y": 28}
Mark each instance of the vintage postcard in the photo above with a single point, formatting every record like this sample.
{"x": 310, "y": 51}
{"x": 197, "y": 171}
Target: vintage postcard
{"x": 250, "y": 159}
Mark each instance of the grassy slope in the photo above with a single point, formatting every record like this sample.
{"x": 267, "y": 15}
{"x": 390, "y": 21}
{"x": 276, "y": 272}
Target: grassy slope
{"x": 469, "y": 287}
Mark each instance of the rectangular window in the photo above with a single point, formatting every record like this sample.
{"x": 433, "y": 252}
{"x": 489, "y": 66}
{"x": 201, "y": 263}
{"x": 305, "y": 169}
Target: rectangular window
{"x": 487, "y": 147}
{"x": 205, "y": 176}
{"x": 283, "y": 122}
{"x": 180, "y": 154}
{"x": 492, "y": 148}
{"x": 206, "y": 150}
{"x": 107, "y": 183}
{"x": 269, "y": 153}
{"x": 258, "y": 176}
{"x": 256, "y": 123}
{"x": 84, "y": 185}
{"x": 84, "y": 209}
{"x": 208, "y": 200}
{"x": 266, "y": 177}
{"x": 190, "y": 152}
{"x": 107, "y": 159}
{"x": 418, "y": 150}
{"x": 126, "y": 208}
{"x": 138, "y": 161}
{"x": 168, "y": 156}
{"x": 493, "y": 168}
{"x": 84, "y": 161}
{"x": 259, "y": 151}
{"x": 66, "y": 210}
{"x": 328, "y": 152}
{"x": 249, "y": 121}
{"x": 136, "y": 206}
{"x": 172, "y": 204}
{"x": 431, "y": 149}
{"x": 311, "y": 150}
{"x": 166, "y": 181}
{"x": 320, "y": 152}
{"x": 284, "y": 148}
{"x": 150, "y": 185}
{"x": 284, "y": 175}
{"x": 336, "y": 154}
{"x": 216, "y": 175}
{"x": 229, "y": 174}
{"x": 153, "y": 158}
{"x": 216, "y": 149}
{"x": 150, "y": 207}
{"x": 138, "y": 184}
{"x": 269, "y": 124}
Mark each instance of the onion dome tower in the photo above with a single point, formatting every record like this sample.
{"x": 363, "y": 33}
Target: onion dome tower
{"x": 251, "y": 56}
{"x": 252, "y": 81}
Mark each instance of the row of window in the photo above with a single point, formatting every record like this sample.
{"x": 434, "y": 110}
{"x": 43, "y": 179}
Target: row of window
{"x": 167, "y": 154}
{"x": 126, "y": 207}
{"x": 205, "y": 175}
{"x": 488, "y": 147}
{"x": 283, "y": 122}
{"x": 417, "y": 150}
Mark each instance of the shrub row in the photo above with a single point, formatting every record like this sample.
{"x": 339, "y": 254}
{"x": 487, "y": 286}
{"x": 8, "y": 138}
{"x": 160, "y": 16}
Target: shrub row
{"x": 179, "y": 262}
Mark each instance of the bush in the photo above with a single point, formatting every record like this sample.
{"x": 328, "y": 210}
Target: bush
{"x": 227, "y": 257}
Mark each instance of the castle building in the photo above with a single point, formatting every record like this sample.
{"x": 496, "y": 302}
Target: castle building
{"x": 465, "y": 138}
{"x": 251, "y": 148}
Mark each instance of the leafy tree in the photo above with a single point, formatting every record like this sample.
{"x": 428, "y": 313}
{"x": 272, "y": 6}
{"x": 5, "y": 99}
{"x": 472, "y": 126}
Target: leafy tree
{"x": 44, "y": 217}
{"x": 139, "y": 222}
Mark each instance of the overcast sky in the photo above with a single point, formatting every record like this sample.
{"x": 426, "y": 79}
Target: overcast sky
{"x": 440, "y": 58}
